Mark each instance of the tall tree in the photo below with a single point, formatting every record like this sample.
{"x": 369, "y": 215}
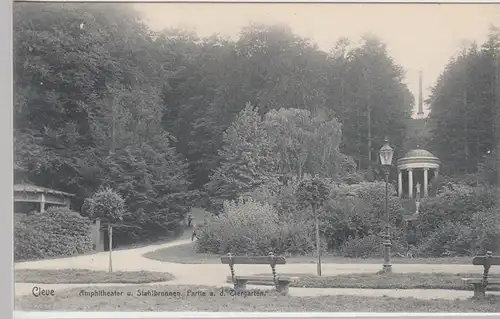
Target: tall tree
{"x": 88, "y": 107}
{"x": 247, "y": 159}
{"x": 267, "y": 66}
{"x": 374, "y": 101}
{"x": 307, "y": 144}
{"x": 463, "y": 108}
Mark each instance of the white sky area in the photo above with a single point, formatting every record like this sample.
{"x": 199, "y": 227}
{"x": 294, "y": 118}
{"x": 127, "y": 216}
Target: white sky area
{"x": 418, "y": 36}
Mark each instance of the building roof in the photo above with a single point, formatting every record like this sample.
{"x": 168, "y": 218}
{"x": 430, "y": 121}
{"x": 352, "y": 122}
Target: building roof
{"x": 419, "y": 153}
{"x": 38, "y": 189}
{"x": 418, "y": 158}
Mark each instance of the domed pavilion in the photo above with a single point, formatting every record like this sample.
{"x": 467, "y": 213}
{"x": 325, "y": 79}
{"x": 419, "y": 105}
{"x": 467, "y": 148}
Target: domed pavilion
{"x": 416, "y": 170}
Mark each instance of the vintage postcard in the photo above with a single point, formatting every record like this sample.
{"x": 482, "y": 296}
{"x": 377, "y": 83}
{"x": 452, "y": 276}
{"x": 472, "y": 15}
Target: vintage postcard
{"x": 256, "y": 157}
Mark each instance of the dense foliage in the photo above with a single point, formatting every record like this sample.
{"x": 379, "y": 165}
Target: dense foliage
{"x": 247, "y": 159}
{"x": 88, "y": 109}
{"x": 57, "y": 232}
{"x": 463, "y": 104}
{"x": 357, "y": 211}
{"x": 457, "y": 203}
{"x": 166, "y": 118}
{"x": 105, "y": 204}
{"x": 350, "y": 213}
{"x": 246, "y": 226}
{"x": 461, "y": 220}
{"x": 311, "y": 193}
{"x": 270, "y": 150}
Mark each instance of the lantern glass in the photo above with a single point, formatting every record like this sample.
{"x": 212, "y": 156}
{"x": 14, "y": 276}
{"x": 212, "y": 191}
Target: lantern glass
{"x": 386, "y": 153}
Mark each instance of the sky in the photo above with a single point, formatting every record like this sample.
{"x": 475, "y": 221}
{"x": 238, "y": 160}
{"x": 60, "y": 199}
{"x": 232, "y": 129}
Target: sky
{"x": 418, "y": 36}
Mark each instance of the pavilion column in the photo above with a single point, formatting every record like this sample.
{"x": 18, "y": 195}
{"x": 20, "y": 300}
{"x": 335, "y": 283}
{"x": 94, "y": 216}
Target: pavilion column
{"x": 410, "y": 183}
{"x": 426, "y": 178}
{"x": 400, "y": 183}
{"x": 42, "y": 203}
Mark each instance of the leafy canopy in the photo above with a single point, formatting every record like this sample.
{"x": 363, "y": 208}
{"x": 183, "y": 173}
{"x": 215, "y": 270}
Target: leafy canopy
{"x": 105, "y": 204}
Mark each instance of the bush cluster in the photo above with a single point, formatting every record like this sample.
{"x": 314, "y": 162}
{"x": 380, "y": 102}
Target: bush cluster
{"x": 249, "y": 227}
{"x": 272, "y": 218}
{"x": 356, "y": 211}
{"x": 371, "y": 245}
{"x": 452, "y": 238}
{"x": 55, "y": 233}
{"x": 462, "y": 220}
{"x": 456, "y": 202}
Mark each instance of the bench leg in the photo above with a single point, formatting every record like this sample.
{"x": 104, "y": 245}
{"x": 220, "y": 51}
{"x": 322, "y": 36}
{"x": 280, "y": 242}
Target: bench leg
{"x": 240, "y": 285}
{"x": 282, "y": 288}
{"x": 479, "y": 291}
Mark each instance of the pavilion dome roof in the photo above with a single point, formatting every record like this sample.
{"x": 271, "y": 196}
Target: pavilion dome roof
{"x": 419, "y": 153}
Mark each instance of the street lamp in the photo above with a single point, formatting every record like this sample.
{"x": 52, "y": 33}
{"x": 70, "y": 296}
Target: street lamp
{"x": 385, "y": 154}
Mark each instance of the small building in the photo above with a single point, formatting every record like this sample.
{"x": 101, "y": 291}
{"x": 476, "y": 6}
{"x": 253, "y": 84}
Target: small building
{"x": 29, "y": 197}
{"x": 417, "y": 167}
{"x": 416, "y": 170}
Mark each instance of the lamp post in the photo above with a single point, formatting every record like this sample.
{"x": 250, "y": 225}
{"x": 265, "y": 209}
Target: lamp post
{"x": 386, "y": 153}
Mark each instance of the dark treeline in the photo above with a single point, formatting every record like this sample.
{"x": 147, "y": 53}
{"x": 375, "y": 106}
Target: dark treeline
{"x": 464, "y": 110}
{"x": 101, "y": 100}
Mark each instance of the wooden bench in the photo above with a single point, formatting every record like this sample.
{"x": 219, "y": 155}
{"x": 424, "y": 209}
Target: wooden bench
{"x": 480, "y": 284}
{"x": 281, "y": 283}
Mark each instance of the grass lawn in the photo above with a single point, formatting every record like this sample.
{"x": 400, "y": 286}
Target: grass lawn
{"x": 84, "y": 276}
{"x": 185, "y": 254}
{"x": 178, "y": 298}
{"x": 388, "y": 281}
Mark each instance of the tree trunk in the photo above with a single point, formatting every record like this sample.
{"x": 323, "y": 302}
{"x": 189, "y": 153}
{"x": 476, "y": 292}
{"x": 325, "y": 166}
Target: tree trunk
{"x": 110, "y": 235}
{"x": 318, "y": 242}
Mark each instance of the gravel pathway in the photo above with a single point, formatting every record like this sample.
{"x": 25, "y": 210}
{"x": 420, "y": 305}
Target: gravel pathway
{"x": 215, "y": 275}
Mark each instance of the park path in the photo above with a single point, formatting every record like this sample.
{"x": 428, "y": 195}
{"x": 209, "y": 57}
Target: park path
{"x": 215, "y": 274}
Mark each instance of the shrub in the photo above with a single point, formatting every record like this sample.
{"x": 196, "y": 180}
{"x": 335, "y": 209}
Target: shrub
{"x": 342, "y": 218}
{"x": 486, "y": 227}
{"x": 352, "y": 178}
{"x": 55, "y": 233}
{"x": 364, "y": 247}
{"x": 443, "y": 183}
{"x": 457, "y": 203}
{"x": 369, "y": 246}
{"x": 451, "y": 238}
{"x": 358, "y": 210}
{"x": 250, "y": 227}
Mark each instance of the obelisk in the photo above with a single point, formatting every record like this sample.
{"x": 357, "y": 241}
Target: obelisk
{"x": 420, "y": 113}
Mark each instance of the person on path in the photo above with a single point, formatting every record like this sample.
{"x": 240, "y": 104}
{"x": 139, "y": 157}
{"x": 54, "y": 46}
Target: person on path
{"x": 190, "y": 219}
{"x": 193, "y": 236}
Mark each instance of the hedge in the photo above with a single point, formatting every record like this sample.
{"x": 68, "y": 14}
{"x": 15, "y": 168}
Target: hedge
{"x": 57, "y": 232}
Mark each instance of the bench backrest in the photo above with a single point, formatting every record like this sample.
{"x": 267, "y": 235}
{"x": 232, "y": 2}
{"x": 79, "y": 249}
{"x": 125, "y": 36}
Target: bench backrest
{"x": 270, "y": 260}
{"x": 253, "y": 260}
{"x": 487, "y": 260}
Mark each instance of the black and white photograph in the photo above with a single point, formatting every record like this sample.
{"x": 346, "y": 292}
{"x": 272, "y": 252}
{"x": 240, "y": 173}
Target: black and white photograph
{"x": 256, "y": 157}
